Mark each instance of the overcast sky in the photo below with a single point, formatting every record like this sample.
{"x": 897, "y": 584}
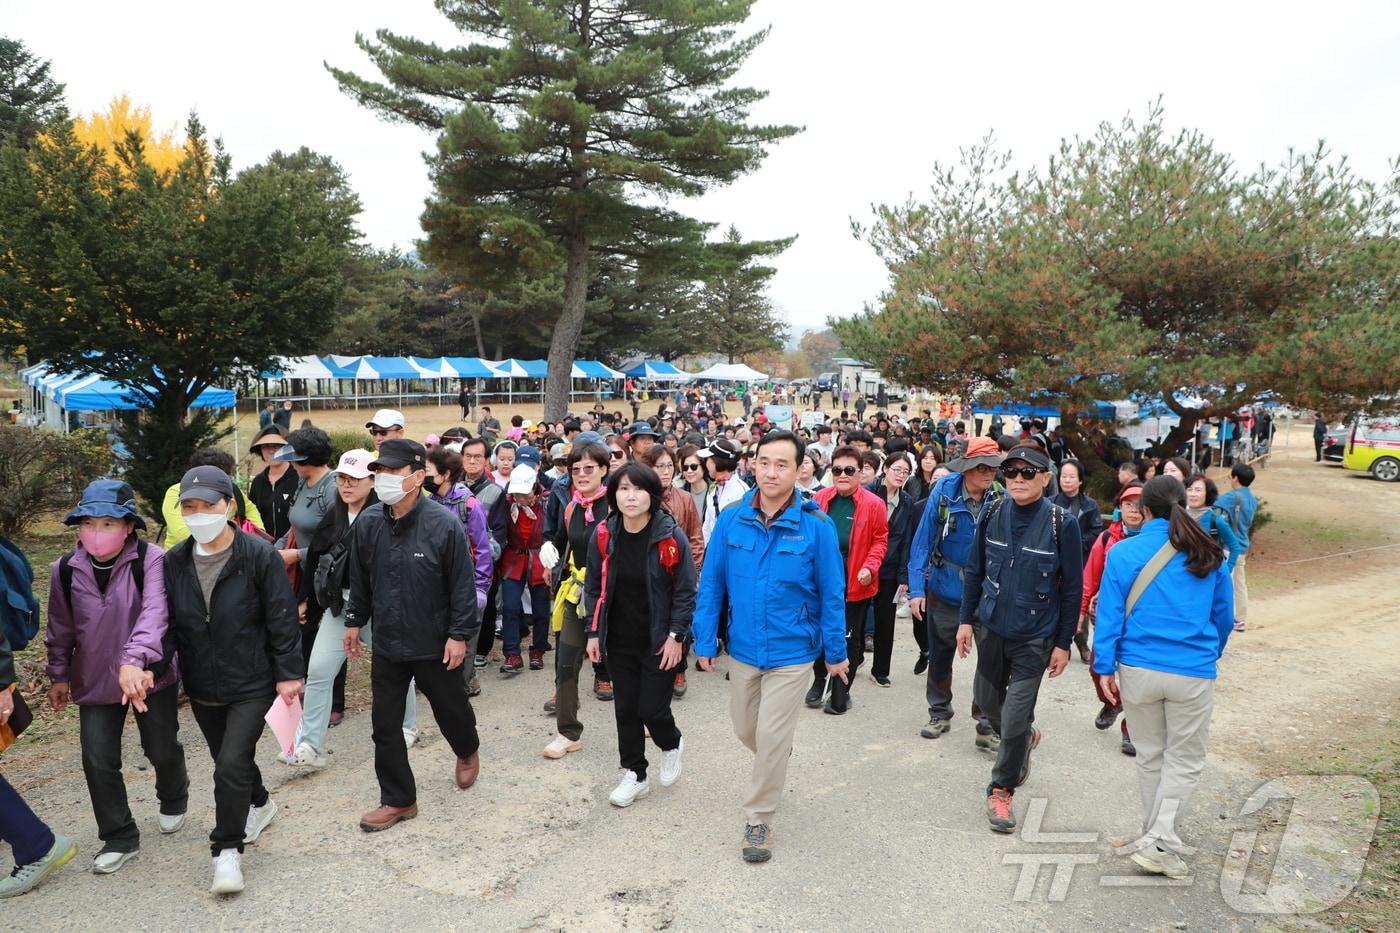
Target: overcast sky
{"x": 884, "y": 90}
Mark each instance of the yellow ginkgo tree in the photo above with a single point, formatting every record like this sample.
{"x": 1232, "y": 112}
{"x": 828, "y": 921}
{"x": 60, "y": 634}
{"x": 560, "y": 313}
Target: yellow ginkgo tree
{"x": 162, "y": 150}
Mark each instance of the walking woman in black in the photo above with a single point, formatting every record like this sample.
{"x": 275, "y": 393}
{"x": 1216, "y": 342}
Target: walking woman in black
{"x": 639, "y": 595}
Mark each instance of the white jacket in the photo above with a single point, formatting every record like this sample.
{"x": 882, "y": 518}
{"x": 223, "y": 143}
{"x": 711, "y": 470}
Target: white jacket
{"x": 720, "y": 496}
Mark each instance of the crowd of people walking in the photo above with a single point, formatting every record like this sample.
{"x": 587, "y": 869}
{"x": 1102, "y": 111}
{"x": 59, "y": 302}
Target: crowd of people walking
{"x": 783, "y": 558}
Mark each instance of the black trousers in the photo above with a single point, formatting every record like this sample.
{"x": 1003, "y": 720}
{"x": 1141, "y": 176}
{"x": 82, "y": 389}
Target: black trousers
{"x": 1009, "y": 674}
{"x": 642, "y": 698}
{"x": 884, "y": 627}
{"x": 855, "y": 653}
{"x": 446, "y": 693}
{"x": 232, "y": 731}
{"x": 100, "y": 735}
{"x": 1317, "y": 448}
{"x": 486, "y": 636}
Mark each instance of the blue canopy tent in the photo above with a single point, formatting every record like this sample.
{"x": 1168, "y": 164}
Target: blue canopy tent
{"x": 657, "y": 371}
{"x": 469, "y": 367}
{"x": 511, "y": 370}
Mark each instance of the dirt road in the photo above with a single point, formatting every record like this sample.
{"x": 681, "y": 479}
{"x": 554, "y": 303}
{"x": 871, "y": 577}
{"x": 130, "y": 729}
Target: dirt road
{"x": 880, "y": 829}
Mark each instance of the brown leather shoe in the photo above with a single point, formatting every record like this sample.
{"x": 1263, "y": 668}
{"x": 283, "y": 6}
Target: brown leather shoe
{"x": 468, "y": 769}
{"x": 384, "y": 816}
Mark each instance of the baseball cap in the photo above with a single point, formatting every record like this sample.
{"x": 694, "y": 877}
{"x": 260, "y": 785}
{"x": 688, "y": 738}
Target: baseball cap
{"x": 355, "y": 463}
{"x": 205, "y": 483}
{"x": 559, "y": 451}
{"x": 529, "y": 455}
{"x": 1028, "y": 453}
{"x": 981, "y": 451}
{"x": 640, "y": 429}
{"x": 721, "y": 447}
{"x": 1131, "y": 491}
{"x": 386, "y": 418}
{"x": 400, "y": 452}
{"x": 587, "y": 437}
{"x": 522, "y": 480}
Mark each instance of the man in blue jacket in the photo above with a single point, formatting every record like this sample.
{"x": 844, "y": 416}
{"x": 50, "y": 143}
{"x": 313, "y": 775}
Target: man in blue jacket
{"x": 774, "y": 559}
{"x": 937, "y": 555}
{"x": 1021, "y": 586}
{"x": 1241, "y": 505}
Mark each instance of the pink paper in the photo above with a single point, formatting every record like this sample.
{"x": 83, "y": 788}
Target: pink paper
{"x": 284, "y": 719}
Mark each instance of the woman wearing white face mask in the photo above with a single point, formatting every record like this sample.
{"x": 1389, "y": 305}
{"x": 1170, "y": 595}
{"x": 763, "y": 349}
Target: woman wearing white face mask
{"x": 233, "y": 620}
{"x": 107, "y": 621}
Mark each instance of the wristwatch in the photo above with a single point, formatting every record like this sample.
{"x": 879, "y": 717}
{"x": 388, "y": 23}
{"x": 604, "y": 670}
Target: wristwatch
{"x": 675, "y": 636}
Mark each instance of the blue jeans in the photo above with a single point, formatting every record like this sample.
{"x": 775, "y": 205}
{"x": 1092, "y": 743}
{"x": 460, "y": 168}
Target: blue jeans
{"x": 27, "y": 835}
{"x": 512, "y": 610}
{"x": 326, "y": 657}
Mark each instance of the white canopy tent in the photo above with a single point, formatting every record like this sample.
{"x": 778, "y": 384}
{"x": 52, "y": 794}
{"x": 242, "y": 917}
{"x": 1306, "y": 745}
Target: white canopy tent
{"x": 731, "y": 372}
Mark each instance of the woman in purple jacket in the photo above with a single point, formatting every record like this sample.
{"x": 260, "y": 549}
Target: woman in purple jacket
{"x": 107, "y": 616}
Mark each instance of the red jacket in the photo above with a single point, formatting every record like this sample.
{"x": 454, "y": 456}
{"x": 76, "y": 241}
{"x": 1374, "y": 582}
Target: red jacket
{"x": 1093, "y": 567}
{"x": 524, "y": 538}
{"x": 870, "y": 536}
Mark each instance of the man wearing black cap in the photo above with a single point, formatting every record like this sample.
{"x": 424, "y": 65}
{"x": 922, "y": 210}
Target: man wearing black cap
{"x": 233, "y": 619}
{"x": 1021, "y": 587}
{"x": 411, "y": 571}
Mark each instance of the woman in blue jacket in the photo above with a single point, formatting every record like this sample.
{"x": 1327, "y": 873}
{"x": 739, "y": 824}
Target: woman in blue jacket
{"x": 1159, "y": 654}
{"x": 1200, "y": 504}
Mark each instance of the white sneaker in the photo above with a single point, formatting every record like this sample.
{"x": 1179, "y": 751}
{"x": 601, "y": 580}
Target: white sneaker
{"x": 671, "y": 765}
{"x": 410, "y": 737}
{"x": 307, "y": 756}
{"x": 228, "y": 873}
{"x": 171, "y": 824}
{"x": 628, "y": 789}
{"x": 108, "y": 862}
{"x": 561, "y": 746}
{"x": 258, "y": 818}
{"x": 1161, "y": 862}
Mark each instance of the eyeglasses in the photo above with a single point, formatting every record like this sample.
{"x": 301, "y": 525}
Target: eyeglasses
{"x": 378, "y": 432}
{"x": 690, "y": 467}
{"x": 1026, "y": 473}
{"x": 584, "y": 470}
{"x": 845, "y": 471}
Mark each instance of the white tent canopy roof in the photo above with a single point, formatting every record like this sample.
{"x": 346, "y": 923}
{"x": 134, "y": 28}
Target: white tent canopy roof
{"x": 731, "y": 372}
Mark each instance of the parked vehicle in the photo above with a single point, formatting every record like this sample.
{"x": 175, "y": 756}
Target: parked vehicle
{"x": 825, "y": 381}
{"x": 1374, "y": 447}
{"x": 1334, "y": 445}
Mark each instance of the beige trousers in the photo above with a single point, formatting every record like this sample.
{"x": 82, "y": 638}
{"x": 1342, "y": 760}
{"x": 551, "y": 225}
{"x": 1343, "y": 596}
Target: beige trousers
{"x": 1241, "y": 591}
{"x": 764, "y": 706}
{"x": 1170, "y": 714}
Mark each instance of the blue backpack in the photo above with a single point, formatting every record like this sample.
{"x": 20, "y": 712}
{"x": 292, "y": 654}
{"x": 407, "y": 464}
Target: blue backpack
{"x": 19, "y": 610}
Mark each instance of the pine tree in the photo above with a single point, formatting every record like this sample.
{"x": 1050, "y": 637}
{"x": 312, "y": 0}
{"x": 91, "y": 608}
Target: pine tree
{"x": 30, "y": 99}
{"x": 563, "y": 126}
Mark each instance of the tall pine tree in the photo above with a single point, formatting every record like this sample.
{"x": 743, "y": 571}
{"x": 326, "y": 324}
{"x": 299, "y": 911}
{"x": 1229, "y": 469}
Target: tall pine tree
{"x": 563, "y": 125}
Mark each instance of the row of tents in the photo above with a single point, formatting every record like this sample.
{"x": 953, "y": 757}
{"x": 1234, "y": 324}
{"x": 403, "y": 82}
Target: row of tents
{"x": 470, "y": 367}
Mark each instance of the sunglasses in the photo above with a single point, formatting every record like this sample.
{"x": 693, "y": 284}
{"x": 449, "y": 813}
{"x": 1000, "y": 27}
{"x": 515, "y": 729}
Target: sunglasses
{"x": 584, "y": 471}
{"x": 1027, "y": 473}
{"x": 618, "y": 455}
{"x": 689, "y": 467}
{"x": 845, "y": 471}
{"x": 378, "y": 432}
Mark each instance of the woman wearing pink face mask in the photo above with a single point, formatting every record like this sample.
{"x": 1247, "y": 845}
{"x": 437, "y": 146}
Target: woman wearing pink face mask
{"x": 107, "y": 619}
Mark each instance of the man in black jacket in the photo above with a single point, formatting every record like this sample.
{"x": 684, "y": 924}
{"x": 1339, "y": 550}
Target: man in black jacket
{"x": 233, "y": 620}
{"x": 1021, "y": 589}
{"x": 412, "y": 573}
